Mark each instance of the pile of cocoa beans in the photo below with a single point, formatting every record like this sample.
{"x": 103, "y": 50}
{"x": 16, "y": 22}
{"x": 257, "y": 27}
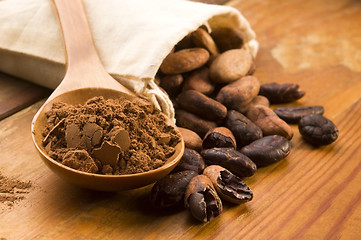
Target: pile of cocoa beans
{"x": 223, "y": 113}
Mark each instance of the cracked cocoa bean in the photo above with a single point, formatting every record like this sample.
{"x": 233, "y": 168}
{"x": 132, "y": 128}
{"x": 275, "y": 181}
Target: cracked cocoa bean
{"x": 191, "y": 160}
{"x": 267, "y": 150}
{"x": 269, "y": 122}
{"x": 220, "y": 137}
{"x": 281, "y": 93}
{"x": 193, "y": 122}
{"x": 239, "y": 94}
{"x": 201, "y": 105}
{"x": 228, "y": 186}
{"x": 243, "y": 129}
{"x": 202, "y": 200}
{"x": 236, "y": 162}
{"x": 317, "y": 130}
{"x": 293, "y": 114}
{"x": 169, "y": 191}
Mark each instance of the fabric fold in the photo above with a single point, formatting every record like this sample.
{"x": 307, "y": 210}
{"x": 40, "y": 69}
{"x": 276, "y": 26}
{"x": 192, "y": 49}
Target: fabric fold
{"x": 132, "y": 39}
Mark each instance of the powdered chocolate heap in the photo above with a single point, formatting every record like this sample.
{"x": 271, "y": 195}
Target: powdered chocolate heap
{"x": 114, "y": 136}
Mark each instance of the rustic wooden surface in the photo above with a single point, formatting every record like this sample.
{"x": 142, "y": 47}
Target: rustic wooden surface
{"x": 16, "y": 94}
{"x": 312, "y": 194}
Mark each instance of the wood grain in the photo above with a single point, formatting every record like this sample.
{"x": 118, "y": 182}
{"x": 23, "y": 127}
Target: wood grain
{"x": 314, "y": 193}
{"x": 218, "y": 2}
{"x": 16, "y": 94}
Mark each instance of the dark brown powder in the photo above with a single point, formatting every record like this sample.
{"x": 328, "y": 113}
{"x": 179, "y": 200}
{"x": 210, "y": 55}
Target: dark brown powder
{"x": 113, "y": 136}
{"x": 12, "y": 190}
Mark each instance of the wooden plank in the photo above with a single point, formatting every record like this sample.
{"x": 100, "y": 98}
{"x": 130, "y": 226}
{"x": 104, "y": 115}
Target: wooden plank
{"x": 16, "y": 94}
{"x": 312, "y": 194}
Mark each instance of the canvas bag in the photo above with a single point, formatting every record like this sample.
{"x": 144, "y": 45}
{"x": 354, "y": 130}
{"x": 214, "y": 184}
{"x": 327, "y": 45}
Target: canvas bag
{"x": 132, "y": 39}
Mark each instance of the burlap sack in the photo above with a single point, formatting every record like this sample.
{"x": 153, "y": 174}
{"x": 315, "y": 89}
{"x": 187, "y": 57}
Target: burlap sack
{"x": 132, "y": 38}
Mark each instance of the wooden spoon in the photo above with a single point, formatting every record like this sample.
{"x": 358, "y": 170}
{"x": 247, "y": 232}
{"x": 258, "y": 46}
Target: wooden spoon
{"x": 86, "y": 78}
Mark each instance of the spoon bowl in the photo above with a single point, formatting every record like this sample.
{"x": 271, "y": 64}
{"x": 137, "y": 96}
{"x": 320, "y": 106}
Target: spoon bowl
{"x": 86, "y": 78}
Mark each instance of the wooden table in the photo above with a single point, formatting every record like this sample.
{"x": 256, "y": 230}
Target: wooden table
{"x": 315, "y": 193}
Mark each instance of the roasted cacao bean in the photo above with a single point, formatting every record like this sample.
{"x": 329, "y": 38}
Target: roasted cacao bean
{"x": 243, "y": 129}
{"x": 202, "y": 200}
{"x": 293, "y": 114}
{"x": 202, "y": 39}
{"x": 239, "y": 94}
{"x": 281, "y": 93}
{"x": 269, "y": 122}
{"x": 228, "y": 186}
{"x": 252, "y": 69}
{"x": 184, "y": 60}
{"x": 230, "y": 66}
{"x": 201, "y": 105}
{"x": 189, "y": 120}
{"x": 185, "y": 43}
{"x": 227, "y": 38}
{"x": 267, "y": 150}
{"x": 236, "y": 162}
{"x": 172, "y": 84}
{"x": 220, "y": 137}
{"x": 169, "y": 191}
{"x": 191, "y": 139}
{"x": 191, "y": 160}
{"x": 259, "y": 100}
{"x": 199, "y": 80}
{"x": 318, "y": 130}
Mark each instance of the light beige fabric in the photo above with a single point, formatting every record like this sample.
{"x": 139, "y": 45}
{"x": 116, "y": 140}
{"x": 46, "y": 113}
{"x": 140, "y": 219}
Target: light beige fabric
{"x": 131, "y": 36}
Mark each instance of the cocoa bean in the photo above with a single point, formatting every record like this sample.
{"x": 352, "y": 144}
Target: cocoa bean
{"x": 236, "y": 162}
{"x": 191, "y": 139}
{"x": 169, "y": 191}
{"x": 184, "y": 60}
{"x": 267, "y": 150}
{"x": 269, "y": 122}
{"x": 243, "y": 129}
{"x": 201, "y": 105}
{"x": 318, "y": 130}
{"x": 230, "y": 66}
{"x": 281, "y": 93}
{"x": 227, "y": 38}
{"x": 293, "y": 114}
{"x": 239, "y": 94}
{"x": 228, "y": 186}
{"x": 172, "y": 84}
{"x": 220, "y": 137}
{"x": 191, "y": 121}
{"x": 199, "y": 80}
{"x": 202, "y": 200}
{"x": 191, "y": 160}
{"x": 185, "y": 43}
{"x": 202, "y": 39}
{"x": 253, "y": 68}
{"x": 259, "y": 100}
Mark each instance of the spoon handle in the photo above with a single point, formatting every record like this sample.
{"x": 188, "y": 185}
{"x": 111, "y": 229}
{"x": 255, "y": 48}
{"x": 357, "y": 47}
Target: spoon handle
{"x": 81, "y": 54}
{"x": 83, "y": 65}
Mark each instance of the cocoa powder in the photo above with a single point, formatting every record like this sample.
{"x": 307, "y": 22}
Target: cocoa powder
{"x": 12, "y": 190}
{"x": 113, "y": 136}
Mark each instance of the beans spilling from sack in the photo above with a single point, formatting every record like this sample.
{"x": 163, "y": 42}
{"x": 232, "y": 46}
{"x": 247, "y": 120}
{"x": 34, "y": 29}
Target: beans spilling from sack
{"x": 229, "y": 129}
